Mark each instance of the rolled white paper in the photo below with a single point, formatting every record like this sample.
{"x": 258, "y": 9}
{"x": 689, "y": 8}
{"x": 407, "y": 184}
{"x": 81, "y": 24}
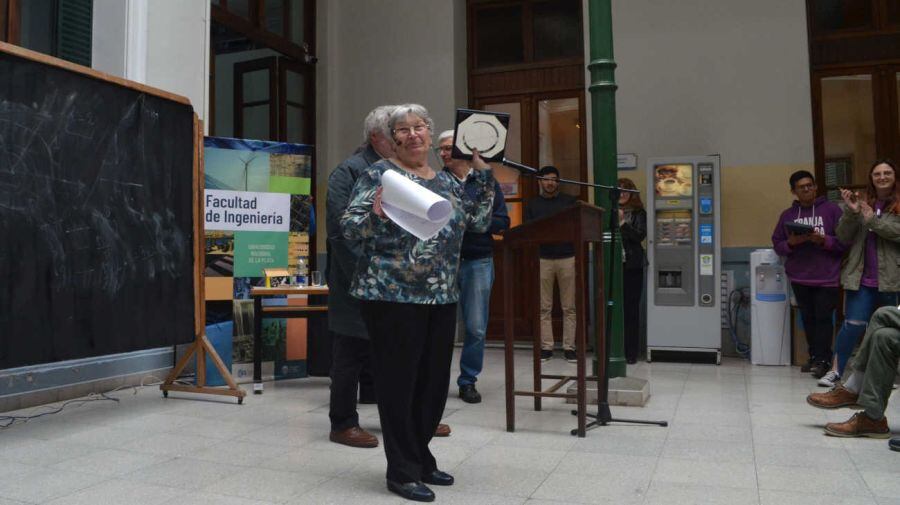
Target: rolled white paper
{"x": 414, "y": 208}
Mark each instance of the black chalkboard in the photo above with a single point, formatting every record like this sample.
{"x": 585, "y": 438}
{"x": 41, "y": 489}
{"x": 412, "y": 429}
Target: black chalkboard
{"x": 96, "y": 216}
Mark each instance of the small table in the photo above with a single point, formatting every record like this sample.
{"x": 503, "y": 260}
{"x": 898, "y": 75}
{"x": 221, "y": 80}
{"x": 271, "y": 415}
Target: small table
{"x": 282, "y": 311}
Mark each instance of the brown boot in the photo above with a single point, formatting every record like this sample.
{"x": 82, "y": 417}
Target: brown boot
{"x": 860, "y": 425}
{"x": 442, "y": 430}
{"x": 834, "y": 399}
{"x": 354, "y": 437}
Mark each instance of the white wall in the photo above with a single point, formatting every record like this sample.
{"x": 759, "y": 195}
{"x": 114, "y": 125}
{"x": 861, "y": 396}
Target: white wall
{"x": 374, "y": 53}
{"x": 700, "y": 77}
{"x": 162, "y": 43}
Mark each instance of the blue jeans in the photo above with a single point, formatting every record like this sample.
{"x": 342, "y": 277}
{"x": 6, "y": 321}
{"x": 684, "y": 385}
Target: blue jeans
{"x": 475, "y": 280}
{"x": 858, "y": 308}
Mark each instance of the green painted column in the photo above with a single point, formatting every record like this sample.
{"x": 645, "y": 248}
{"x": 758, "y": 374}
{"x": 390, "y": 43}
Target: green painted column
{"x": 603, "y": 124}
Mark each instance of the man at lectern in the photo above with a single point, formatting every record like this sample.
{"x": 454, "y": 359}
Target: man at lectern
{"x": 557, "y": 264}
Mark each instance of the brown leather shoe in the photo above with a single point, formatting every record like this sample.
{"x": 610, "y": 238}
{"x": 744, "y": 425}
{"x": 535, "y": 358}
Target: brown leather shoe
{"x": 860, "y": 425}
{"x": 442, "y": 430}
{"x": 836, "y": 398}
{"x": 354, "y": 437}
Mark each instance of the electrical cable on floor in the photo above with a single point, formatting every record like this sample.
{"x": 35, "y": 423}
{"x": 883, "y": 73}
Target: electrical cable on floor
{"x": 734, "y": 311}
{"x": 7, "y": 421}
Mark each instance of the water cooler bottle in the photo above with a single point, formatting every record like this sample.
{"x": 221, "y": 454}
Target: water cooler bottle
{"x": 770, "y": 310}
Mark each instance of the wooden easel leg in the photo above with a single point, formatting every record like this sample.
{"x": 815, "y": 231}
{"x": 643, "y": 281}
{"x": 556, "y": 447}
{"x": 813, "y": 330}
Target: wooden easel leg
{"x": 201, "y": 347}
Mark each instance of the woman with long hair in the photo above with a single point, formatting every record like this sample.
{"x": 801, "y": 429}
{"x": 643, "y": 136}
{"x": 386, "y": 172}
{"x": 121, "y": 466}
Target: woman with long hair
{"x": 633, "y": 228}
{"x": 871, "y": 273}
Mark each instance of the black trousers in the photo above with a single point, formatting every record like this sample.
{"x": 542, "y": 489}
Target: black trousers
{"x": 412, "y": 345}
{"x": 817, "y": 306}
{"x": 351, "y": 366}
{"x": 632, "y": 287}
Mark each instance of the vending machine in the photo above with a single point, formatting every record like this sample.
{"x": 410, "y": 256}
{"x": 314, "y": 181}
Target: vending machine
{"x": 684, "y": 250}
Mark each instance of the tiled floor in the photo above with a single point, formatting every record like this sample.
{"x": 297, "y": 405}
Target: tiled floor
{"x": 738, "y": 434}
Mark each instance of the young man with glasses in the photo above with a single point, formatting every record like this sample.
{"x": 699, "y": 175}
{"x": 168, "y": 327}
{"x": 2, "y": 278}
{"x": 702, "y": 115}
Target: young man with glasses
{"x": 813, "y": 264}
{"x": 557, "y": 265}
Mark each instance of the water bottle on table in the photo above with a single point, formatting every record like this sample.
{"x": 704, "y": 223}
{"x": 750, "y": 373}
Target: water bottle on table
{"x": 302, "y": 272}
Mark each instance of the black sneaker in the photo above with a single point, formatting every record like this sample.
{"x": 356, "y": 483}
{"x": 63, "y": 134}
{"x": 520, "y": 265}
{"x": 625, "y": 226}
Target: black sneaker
{"x": 546, "y": 354}
{"x": 806, "y": 367}
{"x": 894, "y": 444}
{"x": 818, "y": 370}
{"x": 570, "y": 356}
{"x": 469, "y": 394}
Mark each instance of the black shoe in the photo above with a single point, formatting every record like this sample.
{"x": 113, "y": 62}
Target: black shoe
{"x": 806, "y": 367}
{"x": 415, "y": 491}
{"x": 894, "y": 444}
{"x": 546, "y": 354}
{"x": 469, "y": 394}
{"x": 438, "y": 478}
{"x": 631, "y": 361}
{"x": 570, "y": 356}
{"x": 818, "y": 370}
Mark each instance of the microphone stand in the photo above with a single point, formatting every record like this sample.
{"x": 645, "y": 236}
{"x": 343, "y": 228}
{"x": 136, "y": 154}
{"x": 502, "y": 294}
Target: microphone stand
{"x": 603, "y": 416}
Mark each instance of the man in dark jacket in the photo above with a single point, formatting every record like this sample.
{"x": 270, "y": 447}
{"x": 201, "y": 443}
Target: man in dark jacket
{"x": 351, "y": 347}
{"x": 813, "y": 265}
{"x": 557, "y": 264}
{"x": 476, "y": 273}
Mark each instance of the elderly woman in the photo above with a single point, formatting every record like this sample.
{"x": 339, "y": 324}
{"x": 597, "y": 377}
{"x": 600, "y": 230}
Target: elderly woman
{"x": 408, "y": 293}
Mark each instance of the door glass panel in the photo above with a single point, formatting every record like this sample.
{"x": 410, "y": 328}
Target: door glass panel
{"x": 296, "y": 126}
{"x": 297, "y": 34}
{"x": 256, "y": 85}
{"x": 559, "y": 139}
{"x": 296, "y": 87}
{"x": 557, "y": 30}
{"x": 498, "y": 35}
{"x": 848, "y": 127}
{"x": 508, "y": 177}
{"x": 256, "y": 122}
{"x": 275, "y": 16}
{"x": 38, "y": 25}
{"x": 833, "y": 15}
{"x": 239, "y": 7}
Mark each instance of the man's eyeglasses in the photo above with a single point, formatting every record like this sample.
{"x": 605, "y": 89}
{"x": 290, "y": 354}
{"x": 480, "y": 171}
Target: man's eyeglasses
{"x": 444, "y": 149}
{"x": 407, "y": 130}
{"x": 804, "y": 187}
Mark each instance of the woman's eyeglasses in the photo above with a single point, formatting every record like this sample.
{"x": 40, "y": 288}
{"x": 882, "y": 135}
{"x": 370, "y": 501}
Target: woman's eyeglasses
{"x": 407, "y": 130}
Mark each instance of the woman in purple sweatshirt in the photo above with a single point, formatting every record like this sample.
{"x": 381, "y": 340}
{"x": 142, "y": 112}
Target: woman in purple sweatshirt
{"x": 813, "y": 265}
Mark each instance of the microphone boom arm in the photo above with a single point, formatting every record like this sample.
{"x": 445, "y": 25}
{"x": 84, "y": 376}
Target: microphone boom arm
{"x": 525, "y": 169}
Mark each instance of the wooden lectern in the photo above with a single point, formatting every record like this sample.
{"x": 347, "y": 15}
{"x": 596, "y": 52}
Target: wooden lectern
{"x": 580, "y": 224}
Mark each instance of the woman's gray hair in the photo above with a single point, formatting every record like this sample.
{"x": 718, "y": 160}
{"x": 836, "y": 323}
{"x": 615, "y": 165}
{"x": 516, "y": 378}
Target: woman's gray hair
{"x": 400, "y": 112}
{"x": 377, "y": 122}
{"x": 446, "y": 134}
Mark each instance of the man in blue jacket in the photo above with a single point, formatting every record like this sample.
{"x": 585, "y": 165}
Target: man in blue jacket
{"x": 476, "y": 273}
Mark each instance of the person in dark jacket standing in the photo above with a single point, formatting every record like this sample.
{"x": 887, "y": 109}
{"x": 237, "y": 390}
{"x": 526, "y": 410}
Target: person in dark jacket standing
{"x": 351, "y": 349}
{"x": 557, "y": 264}
{"x": 633, "y": 228}
{"x": 476, "y": 272}
{"x": 813, "y": 265}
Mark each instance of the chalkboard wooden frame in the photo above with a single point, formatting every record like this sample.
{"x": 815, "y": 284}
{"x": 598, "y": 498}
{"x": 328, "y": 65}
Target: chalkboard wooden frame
{"x": 201, "y": 345}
